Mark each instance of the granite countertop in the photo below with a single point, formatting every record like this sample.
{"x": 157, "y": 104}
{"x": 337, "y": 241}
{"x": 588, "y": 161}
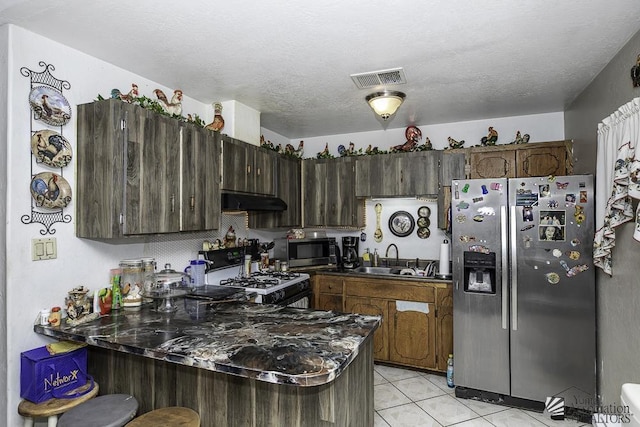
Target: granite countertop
{"x": 270, "y": 343}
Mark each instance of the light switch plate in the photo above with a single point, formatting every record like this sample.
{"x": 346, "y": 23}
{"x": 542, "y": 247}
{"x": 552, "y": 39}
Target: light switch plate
{"x": 43, "y": 249}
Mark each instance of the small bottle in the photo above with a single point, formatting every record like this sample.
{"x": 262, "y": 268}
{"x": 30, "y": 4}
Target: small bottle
{"x": 450, "y": 371}
{"x": 247, "y": 266}
{"x": 44, "y": 316}
{"x": 376, "y": 257}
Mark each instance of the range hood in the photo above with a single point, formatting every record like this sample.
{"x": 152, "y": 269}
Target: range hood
{"x": 249, "y": 202}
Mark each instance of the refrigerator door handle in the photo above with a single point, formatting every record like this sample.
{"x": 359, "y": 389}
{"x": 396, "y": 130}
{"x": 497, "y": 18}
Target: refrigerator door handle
{"x": 505, "y": 271}
{"x": 514, "y": 272}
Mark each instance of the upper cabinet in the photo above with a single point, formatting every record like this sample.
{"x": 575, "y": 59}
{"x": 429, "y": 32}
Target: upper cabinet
{"x": 518, "y": 161}
{"x": 247, "y": 168}
{"x": 288, "y": 188}
{"x": 130, "y": 177}
{"x": 329, "y": 193}
{"x": 398, "y": 174}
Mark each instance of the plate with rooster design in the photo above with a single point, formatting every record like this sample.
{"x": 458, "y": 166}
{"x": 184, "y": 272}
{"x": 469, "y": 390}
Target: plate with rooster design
{"x": 51, "y": 148}
{"x": 48, "y": 105}
{"x": 50, "y": 190}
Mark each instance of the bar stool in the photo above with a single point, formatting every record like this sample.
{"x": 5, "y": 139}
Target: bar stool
{"x": 54, "y": 407}
{"x": 110, "y": 410}
{"x": 168, "y": 417}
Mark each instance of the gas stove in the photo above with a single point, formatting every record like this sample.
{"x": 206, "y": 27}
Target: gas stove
{"x": 273, "y": 287}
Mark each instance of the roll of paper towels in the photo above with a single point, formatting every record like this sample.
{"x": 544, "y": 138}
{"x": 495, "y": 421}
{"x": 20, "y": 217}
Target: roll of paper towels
{"x": 443, "y": 267}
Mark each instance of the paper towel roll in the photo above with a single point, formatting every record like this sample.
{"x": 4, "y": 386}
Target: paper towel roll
{"x": 443, "y": 267}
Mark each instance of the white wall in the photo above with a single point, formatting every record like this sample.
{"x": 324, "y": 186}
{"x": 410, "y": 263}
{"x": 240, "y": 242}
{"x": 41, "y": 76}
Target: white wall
{"x": 4, "y": 90}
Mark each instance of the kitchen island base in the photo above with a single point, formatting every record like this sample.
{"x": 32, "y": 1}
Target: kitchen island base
{"x": 227, "y": 400}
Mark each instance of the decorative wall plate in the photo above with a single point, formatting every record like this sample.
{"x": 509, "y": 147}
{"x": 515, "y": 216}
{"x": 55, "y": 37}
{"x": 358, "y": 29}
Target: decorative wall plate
{"x": 49, "y": 106}
{"x": 423, "y": 232}
{"x": 401, "y": 223}
{"x": 424, "y": 211}
{"x": 50, "y": 190}
{"x": 51, "y": 148}
{"x": 423, "y": 222}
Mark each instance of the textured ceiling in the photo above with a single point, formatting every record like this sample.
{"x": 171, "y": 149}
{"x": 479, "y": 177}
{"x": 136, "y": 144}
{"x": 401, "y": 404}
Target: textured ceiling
{"x": 291, "y": 60}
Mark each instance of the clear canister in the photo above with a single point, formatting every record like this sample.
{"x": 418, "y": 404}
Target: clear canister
{"x": 131, "y": 281}
{"x": 149, "y": 271}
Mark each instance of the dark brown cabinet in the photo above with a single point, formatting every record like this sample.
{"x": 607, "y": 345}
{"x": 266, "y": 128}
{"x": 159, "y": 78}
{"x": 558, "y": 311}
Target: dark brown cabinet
{"x": 518, "y": 161}
{"x": 247, "y": 168}
{"x": 288, "y": 188}
{"x": 131, "y": 180}
{"x": 329, "y": 193}
{"x": 398, "y": 174}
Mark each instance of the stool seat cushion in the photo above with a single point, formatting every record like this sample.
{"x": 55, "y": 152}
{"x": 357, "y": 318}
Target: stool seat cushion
{"x": 56, "y": 406}
{"x": 111, "y": 410}
{"x": 173, "y": 416}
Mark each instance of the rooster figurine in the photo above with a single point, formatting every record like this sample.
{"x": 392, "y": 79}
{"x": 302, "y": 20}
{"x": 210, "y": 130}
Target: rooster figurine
{"x": 453, "y": 144}
{"x": 218, "y": 121}
{"x": 129, "y": 97}
{"x": 520, "y": 139}
{"x": 295, "y": 152}
{"x": 174, "y": 107}
{"x": 491, "y": 138}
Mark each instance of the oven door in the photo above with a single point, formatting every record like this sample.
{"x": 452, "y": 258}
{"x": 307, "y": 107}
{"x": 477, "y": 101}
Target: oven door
{"x": 300, "y": 300}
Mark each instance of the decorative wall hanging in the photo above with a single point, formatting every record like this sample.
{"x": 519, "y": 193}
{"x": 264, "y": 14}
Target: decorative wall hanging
{"x": 401, "y": 223}
{"x": 50, "y": 192}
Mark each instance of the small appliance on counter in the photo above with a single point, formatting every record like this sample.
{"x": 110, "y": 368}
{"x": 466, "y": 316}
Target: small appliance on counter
{"x": 306, "y": 252}
{"x": 350, "y": 258}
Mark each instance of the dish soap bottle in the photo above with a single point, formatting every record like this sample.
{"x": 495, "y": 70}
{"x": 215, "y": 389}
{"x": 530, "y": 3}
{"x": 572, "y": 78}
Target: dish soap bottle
{"x": 376, "y": 257}
{"x": 450, "y": 371}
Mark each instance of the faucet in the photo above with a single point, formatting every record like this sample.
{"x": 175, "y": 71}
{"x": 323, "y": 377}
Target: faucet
{"x": 386, "y": 254}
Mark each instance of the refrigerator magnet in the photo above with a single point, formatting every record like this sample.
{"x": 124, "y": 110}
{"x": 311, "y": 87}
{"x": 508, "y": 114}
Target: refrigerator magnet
{"x": 462, "y": 205}
{"x": 461, "y": 218}
{"x": 574, "y": 255}
{"x": 553, "y": 278}
{"x": 478, "y": 218}
{"x": 544, "y": 190}
{"x": 527, "y": 214}
{"x": 577, "y": 269}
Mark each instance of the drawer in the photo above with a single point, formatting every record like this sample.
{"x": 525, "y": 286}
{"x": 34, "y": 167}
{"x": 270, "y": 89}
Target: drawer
{"x": 392, "y": 291}
{"x": 329, "y": 284}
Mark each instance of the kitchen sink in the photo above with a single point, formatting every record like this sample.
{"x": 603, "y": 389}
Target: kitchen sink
{"x": 377, "y": 270}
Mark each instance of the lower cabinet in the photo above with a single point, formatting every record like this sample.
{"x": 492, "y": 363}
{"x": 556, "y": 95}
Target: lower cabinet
{"x": 417, "y": 316}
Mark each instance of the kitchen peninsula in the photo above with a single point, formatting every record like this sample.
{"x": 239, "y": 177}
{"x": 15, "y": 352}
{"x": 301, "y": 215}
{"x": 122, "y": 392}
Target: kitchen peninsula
{"x": 236, "y": 364}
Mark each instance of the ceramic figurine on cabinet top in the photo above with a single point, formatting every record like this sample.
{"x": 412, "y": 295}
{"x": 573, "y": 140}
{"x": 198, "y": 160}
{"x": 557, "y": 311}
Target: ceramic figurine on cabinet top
{"x": 520, "y": 139}
{"x": 412, "y": 135}
{"x": 218, "y": 121}
{"x": 491, "y": 138}
{"x": 267, "y": 144}
{"x": 175, "y": 106}
{"x": 129, "y": 97}
{"x": 374, "y": 150}
{"x": 324, "y": 154}
{"x": 455, "y": 144}
{"x": 289, "y": 150}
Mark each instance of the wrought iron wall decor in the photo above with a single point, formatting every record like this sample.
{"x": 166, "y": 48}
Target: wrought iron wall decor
{"x": 50, "y": 151}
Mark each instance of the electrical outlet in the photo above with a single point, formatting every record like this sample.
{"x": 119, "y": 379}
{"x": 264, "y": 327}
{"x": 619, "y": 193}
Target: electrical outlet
{"x": 43, "y": 249}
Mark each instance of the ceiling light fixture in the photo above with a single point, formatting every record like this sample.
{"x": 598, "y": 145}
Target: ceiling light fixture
{"x": 386, "y": 103}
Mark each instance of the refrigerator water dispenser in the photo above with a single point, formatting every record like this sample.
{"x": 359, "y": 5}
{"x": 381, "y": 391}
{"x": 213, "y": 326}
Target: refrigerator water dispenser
{"x": 480, "y": 272}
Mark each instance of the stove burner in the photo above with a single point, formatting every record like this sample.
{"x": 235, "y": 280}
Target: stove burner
{"x": 250, "y": 282}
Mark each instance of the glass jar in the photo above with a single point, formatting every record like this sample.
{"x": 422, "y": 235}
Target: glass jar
{"x": 149, "y": 271}
{"x": 131, "y": 282}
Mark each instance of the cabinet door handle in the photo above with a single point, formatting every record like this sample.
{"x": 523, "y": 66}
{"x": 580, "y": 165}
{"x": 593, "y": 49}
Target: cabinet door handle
{"x": 173, "y": 203}
{"x": 192, "y": 203}
{"x": 258, "y": 171}
{"x": 248, "y": 169}
{"x": 401, "y": 176}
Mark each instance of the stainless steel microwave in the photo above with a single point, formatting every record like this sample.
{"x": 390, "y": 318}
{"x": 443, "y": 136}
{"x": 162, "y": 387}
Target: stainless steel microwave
{"x": 307, "y": 252}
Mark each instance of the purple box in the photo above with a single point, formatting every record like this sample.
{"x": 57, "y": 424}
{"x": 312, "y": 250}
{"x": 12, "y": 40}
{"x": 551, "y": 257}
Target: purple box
{"x": 44, "y": 376}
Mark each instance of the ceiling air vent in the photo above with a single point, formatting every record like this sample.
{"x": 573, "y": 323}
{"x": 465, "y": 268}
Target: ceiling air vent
{"x": 394, "y": 76}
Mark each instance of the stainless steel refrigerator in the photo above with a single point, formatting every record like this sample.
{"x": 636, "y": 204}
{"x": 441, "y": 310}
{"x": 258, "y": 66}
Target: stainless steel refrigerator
{"x": 524, "y": 287}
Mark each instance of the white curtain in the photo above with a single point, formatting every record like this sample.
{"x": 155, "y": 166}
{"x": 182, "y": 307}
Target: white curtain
{"x": 617, "y": 179}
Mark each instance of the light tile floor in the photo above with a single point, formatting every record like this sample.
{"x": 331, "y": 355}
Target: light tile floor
{"x": 406, "y": 398}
